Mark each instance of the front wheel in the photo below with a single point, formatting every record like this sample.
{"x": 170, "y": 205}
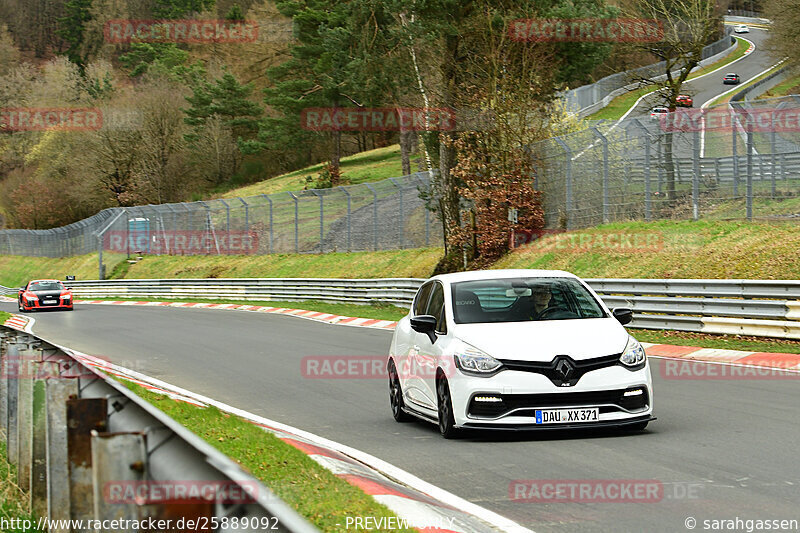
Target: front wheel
{"x": 447, "y": 423}
{"x": 396, "y": 395}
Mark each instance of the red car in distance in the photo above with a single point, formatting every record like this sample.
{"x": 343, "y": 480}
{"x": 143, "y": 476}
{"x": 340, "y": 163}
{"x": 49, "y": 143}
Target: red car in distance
{"x": 684, "y": 100}
{"x": 44, "y": 294}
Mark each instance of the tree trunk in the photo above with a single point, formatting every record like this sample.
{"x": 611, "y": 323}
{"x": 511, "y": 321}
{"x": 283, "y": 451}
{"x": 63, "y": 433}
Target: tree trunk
{"x": 447, "y": 151}
{"x": 405, "y": 150}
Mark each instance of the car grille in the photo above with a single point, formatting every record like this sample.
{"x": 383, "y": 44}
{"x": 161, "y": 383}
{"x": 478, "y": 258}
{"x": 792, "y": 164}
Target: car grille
{"x": 526, "y": 404}
{"x": 54, "y": 304}
{"x": 551, "y": 369}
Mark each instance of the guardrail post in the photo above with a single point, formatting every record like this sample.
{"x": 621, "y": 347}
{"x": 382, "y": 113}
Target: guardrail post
{"x": 25, "y": 417}
{"x": 38, "y": 490}
{"x": 83, "y": 416}
{"x": 349, "y": 229}
{"x": 374, "y": 216}
{"x": 58, "y": 391}
{"x": 749, "y": 172}
{"x": 118, "y": 461}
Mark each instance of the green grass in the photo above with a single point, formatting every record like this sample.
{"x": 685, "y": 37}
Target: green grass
{"x": 372, "y": 165}
{"x": 410, "y": 263}
{"x": 622, "y": 103}
{"x": 17, "y": 270}
{"x": 376, "y": 311}
{"x": 725, "y": 342}
{"x": 13, "y": 501}
{"x": 680, "y": 249}
{"x": 313, "y": 491}
{"x": 4, "y": 316}
{"x": 788, "y": 86}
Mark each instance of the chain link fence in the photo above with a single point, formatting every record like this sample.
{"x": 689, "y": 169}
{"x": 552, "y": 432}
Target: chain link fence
{"x": 734, "y": 161}
{"x": 383, "y": 215}
{"x": 698, "y": 166}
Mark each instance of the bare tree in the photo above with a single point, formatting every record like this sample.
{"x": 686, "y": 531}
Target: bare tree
{"x": 784, "y": 32}
{"x": 688, "y": 26}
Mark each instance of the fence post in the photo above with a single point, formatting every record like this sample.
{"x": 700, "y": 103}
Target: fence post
{"x": 402, "y": 224}
{"x": 374, "y": 216}
{"x": 269, "y": 201}
{"x": 749, "y": 171}
{"x": 604, "y": 140}
{"x": 568, "y": 185}
{"x": 734, "y": 151}
{"x": 347, "y": 194}
{"x": 696, "y": 175}
{"x": 58, "y": 391}
{"x": 321, "y": 218}
{"x": 296, "y": 222}
{"x": 246, "y": 213}
{"x": 648, "y": 208}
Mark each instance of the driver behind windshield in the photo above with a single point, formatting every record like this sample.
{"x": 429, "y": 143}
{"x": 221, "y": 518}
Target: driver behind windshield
{"x": 540, "y": 301}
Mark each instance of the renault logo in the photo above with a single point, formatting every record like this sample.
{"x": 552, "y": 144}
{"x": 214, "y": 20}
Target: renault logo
{"x": 564, "y": 368}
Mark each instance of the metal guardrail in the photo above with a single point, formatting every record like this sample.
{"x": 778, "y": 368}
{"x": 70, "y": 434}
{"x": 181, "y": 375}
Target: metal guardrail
{"x": 77, "y": 436}
{"x": 768, "y": 308}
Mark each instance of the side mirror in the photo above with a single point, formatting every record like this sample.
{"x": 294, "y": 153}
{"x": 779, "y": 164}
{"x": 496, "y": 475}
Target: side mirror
{"x": 425, "y": 324}
{"x": 623, "y": 315}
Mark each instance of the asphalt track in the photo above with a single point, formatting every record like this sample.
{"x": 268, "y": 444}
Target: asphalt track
{"x": 707, "y": 87}
{"x": 732, "y": 445}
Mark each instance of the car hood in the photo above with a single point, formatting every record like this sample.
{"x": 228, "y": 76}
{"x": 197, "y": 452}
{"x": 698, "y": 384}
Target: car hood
{"x": 44, "y": 294}
{"x": 541, "y": 341}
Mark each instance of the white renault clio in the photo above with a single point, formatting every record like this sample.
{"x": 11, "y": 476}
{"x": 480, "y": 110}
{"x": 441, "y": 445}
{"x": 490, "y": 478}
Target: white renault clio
{"x": 517, "y": 349}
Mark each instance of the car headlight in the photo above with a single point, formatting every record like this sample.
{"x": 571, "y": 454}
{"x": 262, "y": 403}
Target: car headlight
{"x": 31, "y": 297}
{"x": 471, "y": 360}
{"x": 66, "y": 296}
{"x": 633, "y": 355}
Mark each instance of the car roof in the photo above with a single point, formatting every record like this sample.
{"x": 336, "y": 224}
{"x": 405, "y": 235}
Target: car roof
{"x": 503, "y": 274}
{"x": 40, "y": 280}
{"x": 731, "y": 74}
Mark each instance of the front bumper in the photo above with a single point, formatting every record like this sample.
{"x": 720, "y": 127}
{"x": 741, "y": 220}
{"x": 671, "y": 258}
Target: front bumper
{"x": 544, "y": 427}
{"x": 36, "y": 305}
{"x": 523, "y": 393}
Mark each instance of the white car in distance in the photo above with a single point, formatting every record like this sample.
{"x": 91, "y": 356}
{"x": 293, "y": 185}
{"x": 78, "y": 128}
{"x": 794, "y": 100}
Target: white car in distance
{"x": 741, "y": 28}
{"x": 517, "y": 349}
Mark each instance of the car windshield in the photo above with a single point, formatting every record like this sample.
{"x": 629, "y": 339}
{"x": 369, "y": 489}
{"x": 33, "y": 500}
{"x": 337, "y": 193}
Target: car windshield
{"x": 46, "y": 286}
{"x": 522, "y": 300}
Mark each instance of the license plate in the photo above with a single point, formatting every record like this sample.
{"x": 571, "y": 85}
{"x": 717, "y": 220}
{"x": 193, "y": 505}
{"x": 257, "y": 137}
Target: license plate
{"x": 567, "y": 416}
{"x": 46, "y": 302}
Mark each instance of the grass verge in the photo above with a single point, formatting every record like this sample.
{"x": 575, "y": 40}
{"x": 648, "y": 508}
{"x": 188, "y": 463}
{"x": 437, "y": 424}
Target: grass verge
{"x": 620, "y": 105}
{"x": 4, "y": 316}
{"x": 17, "y": 270}
{"x": 725, "y": 342}
{"x": 314, "y": 492}
{"x": 674, "y": 249}
{"x": 376, "y": 311}
{"x": 788, "y": 86}
{"x": 372, "y": 165}
{"x": 13, "y": 501}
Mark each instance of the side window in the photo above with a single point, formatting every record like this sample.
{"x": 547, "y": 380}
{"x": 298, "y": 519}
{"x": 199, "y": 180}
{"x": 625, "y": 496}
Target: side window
{"x": 436, "y": 307}
{"x": 421, "y": 300}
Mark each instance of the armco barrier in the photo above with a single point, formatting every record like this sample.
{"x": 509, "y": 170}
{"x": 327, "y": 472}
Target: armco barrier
{"x": 72, "y": 433}
{"x": 768, "y": 308}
